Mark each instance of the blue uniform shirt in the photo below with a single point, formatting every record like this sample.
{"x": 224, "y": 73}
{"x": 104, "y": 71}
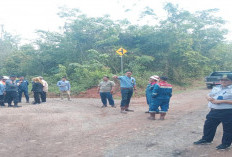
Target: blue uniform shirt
{"x": 221, "y": 93}
{"x": 163, "y": 90}
{"x": 149, "y": 89}
{"x": 24, "y": 85}
{"x": 64, "y": 85}
{"x": 11, "y": 86}
{"x": 127, "y": 82}
{"x": 2, "y": 89}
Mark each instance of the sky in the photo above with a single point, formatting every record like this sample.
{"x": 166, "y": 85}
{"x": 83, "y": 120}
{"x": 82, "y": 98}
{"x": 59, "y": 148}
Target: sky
{"x": 24, "y": 17}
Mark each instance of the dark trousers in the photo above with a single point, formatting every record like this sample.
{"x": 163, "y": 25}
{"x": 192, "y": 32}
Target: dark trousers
{"x": 105, "y": 96}
{"x": 2, "y": 100}
{"x": 37, "y": 96}
{"x": 213, "y": 119}
{"x": 25, "y": 94}
{"x": 12, "y": 96}
{"x": 126, "y": 96}
{"x": 43, "y": 96}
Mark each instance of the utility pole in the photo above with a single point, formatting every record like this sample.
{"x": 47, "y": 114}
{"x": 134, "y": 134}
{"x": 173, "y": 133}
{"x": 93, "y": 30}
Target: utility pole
{"x": 121, "y": 64}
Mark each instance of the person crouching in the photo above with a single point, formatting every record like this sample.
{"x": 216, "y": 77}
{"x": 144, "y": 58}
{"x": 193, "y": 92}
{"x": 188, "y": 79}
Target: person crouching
{"x": 37, "y": 89}
{"x": 161, "y": 95}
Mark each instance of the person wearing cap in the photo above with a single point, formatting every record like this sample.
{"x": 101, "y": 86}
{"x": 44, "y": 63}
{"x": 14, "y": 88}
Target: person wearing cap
{"x": 64, "y": 86}
{"x": 2, "y": 92}
{"x": 12, "y": 91}
{"x": 106, "y": 89}
{"x": 152, "y": 81}
{"x": 23, "y": 88}
{"x": 161, "y": 95}
{"x": 45, "y": 89}
{"x": 220, "y": 104}
{"x": 128, "y": 85}
{"x": 4, "y": 78}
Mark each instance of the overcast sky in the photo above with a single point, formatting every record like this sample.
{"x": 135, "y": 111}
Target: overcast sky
{"x": 23, "y": 17}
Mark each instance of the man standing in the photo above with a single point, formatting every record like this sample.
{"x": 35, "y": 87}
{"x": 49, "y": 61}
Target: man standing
{"x": 161, "y": 95}
{"x": 3, "y": 81}
{"x": 65, "y": 87}
{"x": 106, "y": 89}
{"x": 23, "y": 88}
{"x": 2, "y": 92}
{"x": 220, "y": 103}
{"x": 12, "y": 91}
{"x": 128, "y": 85}
{"x": 45, "y": 89}
{"x": 152, "y": 81}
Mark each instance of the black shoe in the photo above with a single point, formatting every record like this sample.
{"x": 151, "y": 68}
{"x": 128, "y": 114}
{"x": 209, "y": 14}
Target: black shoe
{"x": 27, "y": 102}
{"x": 103, "y": 106}
{"x": 222, "y": 146}
{"x": 16, "y": 106}
{"x": 201, "y": 142}
{"x": 113, "y": 106}
{"x": 128, "y": 110}
{"x": 35, "y": 103}
{"x": 10, "y": 105}
{"x": 147, "y": 112}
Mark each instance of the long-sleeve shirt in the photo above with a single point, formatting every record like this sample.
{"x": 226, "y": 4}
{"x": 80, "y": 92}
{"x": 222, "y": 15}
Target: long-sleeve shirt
{"x": 221, "y": 93}
{"x": 23, "y": 85}
{"x": 11, "y": 86}
{"x": 149, "y": 89}
{"x": 162, "y": 90}
{"x": 2, "y": 89}
{"x": 45, "y": 86}
{"x": 37, "y": 87}
{"x": 64, "y": 85}
{"x": 127, "y": 82}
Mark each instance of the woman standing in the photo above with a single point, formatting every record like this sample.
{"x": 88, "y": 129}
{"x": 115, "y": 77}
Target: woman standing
{"x": 37, "y": 88}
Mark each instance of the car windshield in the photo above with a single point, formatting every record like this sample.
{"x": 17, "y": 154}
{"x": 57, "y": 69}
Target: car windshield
{"x": 220, "y": 73}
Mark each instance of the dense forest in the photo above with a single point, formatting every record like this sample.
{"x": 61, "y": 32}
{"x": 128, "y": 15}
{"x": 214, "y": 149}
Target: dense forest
{"x": 183, "y": 46}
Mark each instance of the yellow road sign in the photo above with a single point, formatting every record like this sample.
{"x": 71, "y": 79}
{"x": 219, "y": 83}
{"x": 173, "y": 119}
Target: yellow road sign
{"x": 121, "y": 51}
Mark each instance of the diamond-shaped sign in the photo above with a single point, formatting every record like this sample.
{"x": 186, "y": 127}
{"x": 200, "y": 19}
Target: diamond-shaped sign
{"x": 121, "y": 51}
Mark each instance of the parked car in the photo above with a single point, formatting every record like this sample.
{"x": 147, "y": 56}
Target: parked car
{"x": 214, "y": 78}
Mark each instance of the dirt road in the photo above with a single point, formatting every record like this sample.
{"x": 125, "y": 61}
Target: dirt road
{"x": 81, "y": 128}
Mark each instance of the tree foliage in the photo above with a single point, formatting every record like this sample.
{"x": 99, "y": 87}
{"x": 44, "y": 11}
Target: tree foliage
{"x": 183, "y": 46}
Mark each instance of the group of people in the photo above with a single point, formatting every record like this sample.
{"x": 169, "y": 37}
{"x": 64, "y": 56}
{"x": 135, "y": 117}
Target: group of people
{"x": 12, "y": 90}
{"x": 158, "y": 93}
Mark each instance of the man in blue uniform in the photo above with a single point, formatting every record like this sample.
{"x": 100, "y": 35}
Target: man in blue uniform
{"x": 161, "y": 95}
{"x": 152, "y": 81}
{"x": 23, "y": 88}
{"x": 128, "y": 85}
{"x": 220, "y": 103}
{"x": 12, "y": 91}
{"x": 2, "y": 92}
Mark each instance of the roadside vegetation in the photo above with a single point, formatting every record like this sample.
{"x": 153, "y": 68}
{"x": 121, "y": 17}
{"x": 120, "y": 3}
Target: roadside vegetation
{"x": 184, "y": 46}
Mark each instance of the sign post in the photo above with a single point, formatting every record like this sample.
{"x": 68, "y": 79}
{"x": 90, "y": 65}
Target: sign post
{"x": 121, "y": 52}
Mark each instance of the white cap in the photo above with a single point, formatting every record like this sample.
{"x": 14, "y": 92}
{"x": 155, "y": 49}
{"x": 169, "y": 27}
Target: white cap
{"x": 154, "y": 78}
{"x": 5, "y": 78}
